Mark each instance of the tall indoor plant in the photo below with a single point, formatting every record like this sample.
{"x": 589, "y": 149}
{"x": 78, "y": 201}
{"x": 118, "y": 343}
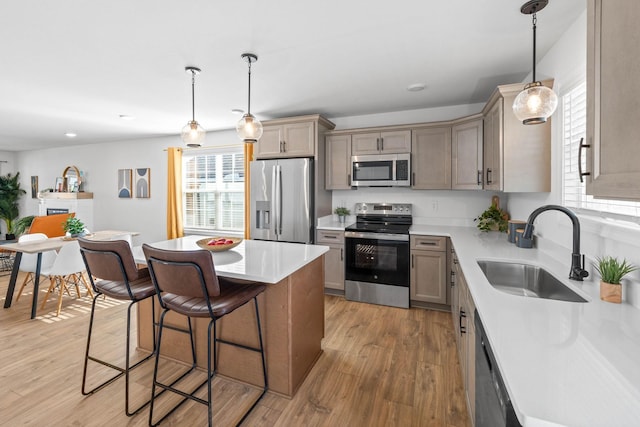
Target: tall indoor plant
{"x": 10, "y": 193}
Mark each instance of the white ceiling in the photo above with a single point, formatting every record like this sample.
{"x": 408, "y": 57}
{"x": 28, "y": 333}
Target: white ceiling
{"x": 76, "y": 65}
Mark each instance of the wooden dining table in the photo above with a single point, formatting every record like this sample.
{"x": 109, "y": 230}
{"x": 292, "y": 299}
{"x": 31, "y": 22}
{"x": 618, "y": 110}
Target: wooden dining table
{"x": 38, "y": 247}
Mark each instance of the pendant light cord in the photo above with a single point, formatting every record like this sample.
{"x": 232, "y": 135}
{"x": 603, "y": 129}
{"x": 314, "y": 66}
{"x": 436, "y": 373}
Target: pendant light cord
{"x": 193, "y": 96}
{"x": 249, "y": 94}
{"x": 535, "y": 21}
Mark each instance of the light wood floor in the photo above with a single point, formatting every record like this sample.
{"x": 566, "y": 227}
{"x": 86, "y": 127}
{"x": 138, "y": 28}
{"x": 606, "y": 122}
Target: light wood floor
{"x": 381, "y": 366}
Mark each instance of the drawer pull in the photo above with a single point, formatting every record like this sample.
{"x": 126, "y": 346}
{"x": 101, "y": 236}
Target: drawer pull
{"x": 429, "y": 243}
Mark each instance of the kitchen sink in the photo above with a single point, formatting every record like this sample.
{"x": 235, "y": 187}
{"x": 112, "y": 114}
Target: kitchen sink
{"x": 526, "y": 280}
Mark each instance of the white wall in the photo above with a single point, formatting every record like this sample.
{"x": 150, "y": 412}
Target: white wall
{"x": 566, "y": 62}
{"x": 100, "y": 164}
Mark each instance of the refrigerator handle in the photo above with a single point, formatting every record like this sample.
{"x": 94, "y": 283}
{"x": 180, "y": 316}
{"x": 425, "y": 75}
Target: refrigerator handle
{"x": 274, "y": 200}
{"x": 279, "y": 176}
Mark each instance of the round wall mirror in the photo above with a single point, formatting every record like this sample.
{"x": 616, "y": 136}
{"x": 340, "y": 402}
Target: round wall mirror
{"x": 72, "y": 179}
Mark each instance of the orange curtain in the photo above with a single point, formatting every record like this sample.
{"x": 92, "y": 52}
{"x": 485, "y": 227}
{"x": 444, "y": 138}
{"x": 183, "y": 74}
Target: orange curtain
{"x": 175, "y": 227}
{"x": 248, "y": 156}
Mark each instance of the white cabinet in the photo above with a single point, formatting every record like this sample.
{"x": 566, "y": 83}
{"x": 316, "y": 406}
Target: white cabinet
{"x": 517, "y": 157}
{"x": 466, "y": 155}
{"x": 429, "y": 269}
{"x": 389, "y": 142}
{"x": 431, "y": 158}
{"x": 334, "y": 259}
{"x": 338, "y": 174}
{"x": 613, "y": 90}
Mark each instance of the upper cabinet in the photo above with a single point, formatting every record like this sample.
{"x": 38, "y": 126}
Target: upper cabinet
{"x": 381, "y": 142}
{"x": 338, "y": 176}
{"x": 431, "y": 158}
{"x": 292, "y": 137}
{"x": 613, "y": 90}
{"x": 466, "y": 155}
{"x": 517, "y": 157}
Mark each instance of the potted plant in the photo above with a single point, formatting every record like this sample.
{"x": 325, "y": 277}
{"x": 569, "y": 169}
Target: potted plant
{"x": 493, "y": 219}
{"x": 10, "y": 193}
{"x": 74, "y": 227}
{"x": 611, "y": 272}
{"x": 342, "y": 213}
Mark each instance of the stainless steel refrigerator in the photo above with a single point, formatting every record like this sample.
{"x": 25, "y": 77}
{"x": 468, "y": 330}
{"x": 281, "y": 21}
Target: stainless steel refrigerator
{"x": 282, "y": 203}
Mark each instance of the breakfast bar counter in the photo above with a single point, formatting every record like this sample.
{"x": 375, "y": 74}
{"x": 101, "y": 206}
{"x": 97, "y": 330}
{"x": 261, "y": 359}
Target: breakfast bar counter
{"x": 291, "y": 312}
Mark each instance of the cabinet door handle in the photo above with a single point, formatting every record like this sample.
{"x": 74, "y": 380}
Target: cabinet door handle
{"x": 580, "y": 147}
{"x": 412, "y": 260}
{"x": 284, "y": 146}
{"x": 489, "y": 173}
{"x": 341, "y": 254}
{"x": 479, "y": 177}
{"x": 378, "y": 144}
{"x": 453, "y": 279}
{"x": 413, "y": 178}
{"x": 463, "y": 329}
{"x": 280, "y": 150}
{"x": 381, "y": 144}
{"x": 349, "y": 180}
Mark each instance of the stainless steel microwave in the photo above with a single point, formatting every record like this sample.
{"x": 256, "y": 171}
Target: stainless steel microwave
{"x": 381, "y": 170}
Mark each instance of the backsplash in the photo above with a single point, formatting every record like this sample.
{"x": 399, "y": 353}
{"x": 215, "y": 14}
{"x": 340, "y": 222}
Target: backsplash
{"x": 436, "y": 207}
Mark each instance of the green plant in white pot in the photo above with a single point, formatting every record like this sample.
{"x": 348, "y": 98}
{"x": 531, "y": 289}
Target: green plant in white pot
{"x": 611, "y": 272}
{"x": 74, "y": 227}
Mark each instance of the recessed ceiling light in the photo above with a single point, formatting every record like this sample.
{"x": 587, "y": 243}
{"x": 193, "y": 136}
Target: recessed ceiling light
{"x": 237, "y": 111}
{"x": 70, "y": 135}
{"x": 126, "y": 117}
{"x": 416, "y": 87}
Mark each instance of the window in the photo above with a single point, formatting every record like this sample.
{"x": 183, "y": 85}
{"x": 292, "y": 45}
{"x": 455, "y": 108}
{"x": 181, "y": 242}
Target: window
{"x": 213, "y": 190}
{"x": 574, "y": 105}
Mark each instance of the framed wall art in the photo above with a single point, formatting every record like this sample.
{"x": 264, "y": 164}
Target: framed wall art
{"x": 143, "y": 183}
{"x": 34, "y": 187}
{"x": 124, "y": 183}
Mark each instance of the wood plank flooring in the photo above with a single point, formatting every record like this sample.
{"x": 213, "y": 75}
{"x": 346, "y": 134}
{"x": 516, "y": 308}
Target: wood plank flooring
{"x": 381, "y": 366}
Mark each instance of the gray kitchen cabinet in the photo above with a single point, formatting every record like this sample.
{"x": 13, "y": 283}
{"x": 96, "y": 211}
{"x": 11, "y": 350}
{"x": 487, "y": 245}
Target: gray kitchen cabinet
{"x": 466, "y": 154}
{"x": 334, "y": 259}
{"x": 463, "y": 312}
{"x": 388, "y": 142}
{"x": 301, "y": 136}
{"x": 613, "y": 90}
{"x": 338, "y": 162}
{"x": 517, "y": 157}
{"x": 431, "y": 158}
{"x": 429, "y": 269}
{"x": 493, "y": 147}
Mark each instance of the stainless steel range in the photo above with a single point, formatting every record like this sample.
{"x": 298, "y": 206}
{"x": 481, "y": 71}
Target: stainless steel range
{"x": 377, "y": 254}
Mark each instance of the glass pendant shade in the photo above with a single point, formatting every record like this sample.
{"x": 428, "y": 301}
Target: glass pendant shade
{"x": 535, "y": 104}
{"x": 193, "y": 134}
{"x": 249, "y": 129}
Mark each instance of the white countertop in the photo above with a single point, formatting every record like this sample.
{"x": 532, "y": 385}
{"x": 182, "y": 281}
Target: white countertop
{"x": 574, "y": 364}
{"x": 257, "y": 260}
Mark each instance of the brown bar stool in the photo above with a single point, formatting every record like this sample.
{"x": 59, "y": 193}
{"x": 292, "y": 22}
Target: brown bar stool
{"x": 112, "y": 263}
{"x": 186, "y": 282}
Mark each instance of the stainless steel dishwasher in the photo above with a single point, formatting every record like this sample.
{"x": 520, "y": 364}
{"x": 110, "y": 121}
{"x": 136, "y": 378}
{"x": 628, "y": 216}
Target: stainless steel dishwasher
{"x": 493, "y": 405}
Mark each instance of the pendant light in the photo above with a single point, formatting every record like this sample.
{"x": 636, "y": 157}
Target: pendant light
{"x": 249, "y": 128}
{"x": 193, "y": 134}
{"x": 536, "y": 102}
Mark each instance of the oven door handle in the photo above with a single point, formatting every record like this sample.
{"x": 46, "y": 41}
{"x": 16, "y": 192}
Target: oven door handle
{"x": 377, "y": 236}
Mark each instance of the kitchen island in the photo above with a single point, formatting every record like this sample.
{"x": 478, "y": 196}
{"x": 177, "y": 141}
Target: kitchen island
{"x": 563, "y": 363}
{"x": 291, "y": 313}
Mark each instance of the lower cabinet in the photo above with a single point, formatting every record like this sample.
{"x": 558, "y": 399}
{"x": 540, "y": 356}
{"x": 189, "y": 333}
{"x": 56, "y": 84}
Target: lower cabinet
{"x": 334, "y": 259}
{"x": 429, "y": 269}
{"x": 463, "y": 312}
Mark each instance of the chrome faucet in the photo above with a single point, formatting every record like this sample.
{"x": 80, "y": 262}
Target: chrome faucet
{"x": 577, "y": 271}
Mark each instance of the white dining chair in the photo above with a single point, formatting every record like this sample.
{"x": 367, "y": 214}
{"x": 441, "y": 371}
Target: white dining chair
{"x": 29, "y": 262}
{"x": 68, "y": 269}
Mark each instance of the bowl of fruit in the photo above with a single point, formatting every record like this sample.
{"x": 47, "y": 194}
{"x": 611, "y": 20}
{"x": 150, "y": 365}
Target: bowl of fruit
{"x": 219, "y": 244}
